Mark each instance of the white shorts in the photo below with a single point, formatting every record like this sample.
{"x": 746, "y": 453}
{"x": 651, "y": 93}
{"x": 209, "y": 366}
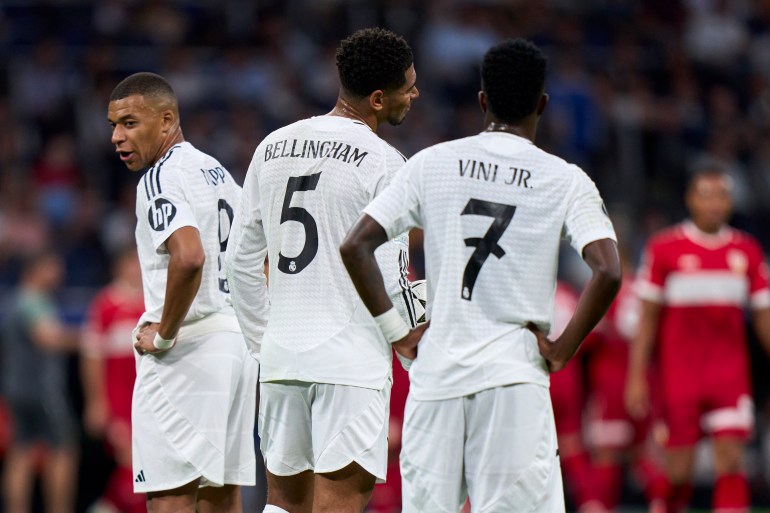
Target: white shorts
{"x": 323, "y": 427}
{"x": 193, "y": 414}
{"x": 498, "y": 446}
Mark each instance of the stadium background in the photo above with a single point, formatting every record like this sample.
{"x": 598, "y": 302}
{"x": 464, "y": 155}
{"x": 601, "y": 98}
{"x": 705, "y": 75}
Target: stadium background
{"x": 642, "y": 92}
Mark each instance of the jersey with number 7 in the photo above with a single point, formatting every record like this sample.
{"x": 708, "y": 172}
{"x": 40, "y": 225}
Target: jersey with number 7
{"x": 307, "y": 184}
{"x": 494, "y": 208}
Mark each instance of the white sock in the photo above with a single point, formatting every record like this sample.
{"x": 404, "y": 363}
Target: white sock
{"x": 270, "y": 508}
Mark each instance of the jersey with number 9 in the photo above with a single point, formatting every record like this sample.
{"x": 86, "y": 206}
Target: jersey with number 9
{"x": 185, "y": 187}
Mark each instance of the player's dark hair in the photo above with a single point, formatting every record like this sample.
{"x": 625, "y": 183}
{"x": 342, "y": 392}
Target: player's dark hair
{"x": 708, "y": 171}
{"x": 143, "y": 84}
{"x": 513, "y": 77}
{"x": 372, "y": 59}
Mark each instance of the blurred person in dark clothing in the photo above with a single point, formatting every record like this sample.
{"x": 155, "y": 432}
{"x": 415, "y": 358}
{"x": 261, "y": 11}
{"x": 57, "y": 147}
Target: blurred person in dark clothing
{"x": 34, "y": 383}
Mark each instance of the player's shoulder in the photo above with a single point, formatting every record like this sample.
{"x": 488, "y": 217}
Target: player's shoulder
{"x": 742, "y": 238}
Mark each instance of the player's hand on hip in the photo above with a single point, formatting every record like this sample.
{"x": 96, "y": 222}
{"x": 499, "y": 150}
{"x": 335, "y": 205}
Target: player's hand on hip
{"x": 407, "y": 346}
{"x": 548, "y": 349}
{"x": 637, "y": 396}
{"x": 144, "y": 339}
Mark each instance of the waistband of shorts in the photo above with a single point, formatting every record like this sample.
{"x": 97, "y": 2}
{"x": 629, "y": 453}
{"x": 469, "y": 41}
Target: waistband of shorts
{"x": 224, "y": 320}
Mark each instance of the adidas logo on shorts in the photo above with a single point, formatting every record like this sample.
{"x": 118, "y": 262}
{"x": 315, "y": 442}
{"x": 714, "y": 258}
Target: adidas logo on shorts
{"x": 139, "y": 477}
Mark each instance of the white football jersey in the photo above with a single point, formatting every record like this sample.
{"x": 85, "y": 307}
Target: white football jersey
{"x": 494, "y": 208}
{"x": 306, "y": 186}
{"x": 185, "y": 187}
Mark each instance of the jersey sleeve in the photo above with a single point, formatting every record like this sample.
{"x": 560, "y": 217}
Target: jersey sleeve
{"x": 167, "y": 207}
{"x": 586, "y": 220}
{"x": 758, "y": 279}
{"x": 398, "y": 208}
{"x": 652, "y": 274}
{"x": 244, "y": 263}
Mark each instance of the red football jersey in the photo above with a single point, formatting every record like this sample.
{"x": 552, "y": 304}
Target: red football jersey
{"x": 112, "y": 316}
{"x": 704, "y": 282}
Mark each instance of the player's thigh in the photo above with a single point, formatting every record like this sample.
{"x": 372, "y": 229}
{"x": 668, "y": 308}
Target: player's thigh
{"x": 432, "y": 456}
{"x": 350, "y": 424}
{"x": 511, "y": 452}
{"x": 344, "y": 491}
{"x": 285, "y": 427}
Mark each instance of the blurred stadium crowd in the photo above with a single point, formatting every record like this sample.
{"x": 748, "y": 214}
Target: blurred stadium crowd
{"x": 641, "y": 93}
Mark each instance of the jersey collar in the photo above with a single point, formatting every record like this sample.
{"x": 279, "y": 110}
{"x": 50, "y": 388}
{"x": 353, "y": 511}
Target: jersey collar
{"x": 706, "y": 240}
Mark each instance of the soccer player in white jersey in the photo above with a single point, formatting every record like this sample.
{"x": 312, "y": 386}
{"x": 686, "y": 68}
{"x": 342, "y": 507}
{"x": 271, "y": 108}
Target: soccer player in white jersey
{"x": 195, "y": 395}
{"x": 494, "y": 206}
{"x": 325, "y": 368}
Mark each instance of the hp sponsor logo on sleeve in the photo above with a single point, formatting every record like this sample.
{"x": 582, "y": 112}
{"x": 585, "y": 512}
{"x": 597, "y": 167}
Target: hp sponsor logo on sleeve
{"x": 161, "y": 214}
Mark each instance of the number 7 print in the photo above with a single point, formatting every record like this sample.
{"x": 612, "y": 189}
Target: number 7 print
{"x": 502, "y": 215}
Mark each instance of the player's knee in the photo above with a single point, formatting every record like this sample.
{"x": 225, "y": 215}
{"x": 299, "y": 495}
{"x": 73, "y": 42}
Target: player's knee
{"x": 728, "y": 457}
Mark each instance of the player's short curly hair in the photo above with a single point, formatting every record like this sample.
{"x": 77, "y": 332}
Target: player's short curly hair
{"x": 144, "y": 84}
{"x": 513, "y": 76}
{"x": 372, "y": 59}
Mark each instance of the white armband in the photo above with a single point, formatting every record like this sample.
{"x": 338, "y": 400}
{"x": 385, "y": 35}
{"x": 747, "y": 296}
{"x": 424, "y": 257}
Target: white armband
{"x": 392, "y": 325}
{"x": 163, "y": 344}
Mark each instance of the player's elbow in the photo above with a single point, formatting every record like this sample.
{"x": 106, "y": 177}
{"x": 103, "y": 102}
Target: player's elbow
{"x": 191, "y": 262}
{"x": 609, "y": 274}
{"x": 350, "y": 252}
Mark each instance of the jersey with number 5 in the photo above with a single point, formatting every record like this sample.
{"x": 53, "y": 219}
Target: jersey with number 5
{"x": 494, "y": 208}
{"x": 306, "y": 186}
{"x": 185, "y": 187}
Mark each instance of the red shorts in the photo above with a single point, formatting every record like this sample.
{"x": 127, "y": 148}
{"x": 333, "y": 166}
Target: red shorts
{"x": 567, "y": 398}
{"x": 609, "y": 424}
{"x": 708, "y": 396}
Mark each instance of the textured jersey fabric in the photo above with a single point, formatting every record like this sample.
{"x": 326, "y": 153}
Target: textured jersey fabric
{"x": 306, "y": 186}
{"x": 494, "y": 208}
{"x": 185, "y": 187}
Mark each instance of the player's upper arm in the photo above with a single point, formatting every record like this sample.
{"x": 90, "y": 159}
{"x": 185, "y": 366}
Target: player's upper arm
{"x": 167, "y": 204}
{"x": 185, "y": 247}
{"x": 758, "y": 278}
{"x": 398, "y": 208}
{"x": 586, "y": 218}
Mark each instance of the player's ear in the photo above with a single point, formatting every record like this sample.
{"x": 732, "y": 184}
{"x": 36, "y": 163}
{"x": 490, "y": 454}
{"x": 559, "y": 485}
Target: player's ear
{"x": 168, "y": 120}
{"x": 377, "y": 100}
{"x": 483, "y": 101}
{"x": 541, "y": 104}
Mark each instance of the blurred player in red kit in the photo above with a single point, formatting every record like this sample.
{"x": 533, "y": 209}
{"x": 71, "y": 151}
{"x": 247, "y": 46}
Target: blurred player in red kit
{"x": 568, "y": 398}
{"x": 695, "y": 281}
{"x": 109, "y": 371}
{"x": 611, "y": 433}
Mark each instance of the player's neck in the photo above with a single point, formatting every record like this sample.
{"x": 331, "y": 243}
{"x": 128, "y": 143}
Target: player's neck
{"x": 346, "y": 109}
{"x": 174, "y": 138}
{"x": 525, "y": 130}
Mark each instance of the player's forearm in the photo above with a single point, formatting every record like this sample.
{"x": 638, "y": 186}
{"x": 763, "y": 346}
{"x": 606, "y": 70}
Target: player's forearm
{"x": 92, "y": 378}
{"x": 643, "y": 342}
{"x": 762, "y": 327}
{"x": 183, "y": 282}
{"x": 594, "y": 302}
{"x": 357, "y": 253}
